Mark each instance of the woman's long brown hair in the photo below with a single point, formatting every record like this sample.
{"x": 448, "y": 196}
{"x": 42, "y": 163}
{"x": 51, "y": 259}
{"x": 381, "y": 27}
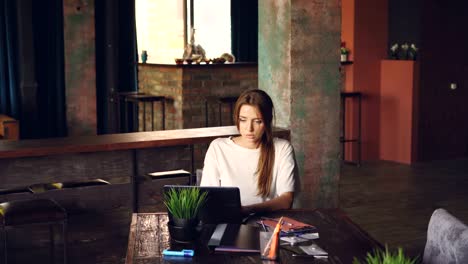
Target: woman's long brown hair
{"x": 264, "y": 104}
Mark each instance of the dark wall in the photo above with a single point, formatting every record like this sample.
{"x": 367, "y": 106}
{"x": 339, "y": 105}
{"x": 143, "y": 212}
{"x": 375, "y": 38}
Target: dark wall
{"x": 443, "y": 126}
{"x": 435, "y": 27}
{"x": 404, "y": 21}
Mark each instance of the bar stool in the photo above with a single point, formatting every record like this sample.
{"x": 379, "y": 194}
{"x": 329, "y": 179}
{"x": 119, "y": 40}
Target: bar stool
{"x": 121, "y": 101}
{"x": 344, "y": 139}
{"x": 31, "y": 212}
{"x": 230, "y": 100}
{"x": 147, "y": 98}
{"x": 14, "y": 190}
{"x": 41, "y": 187}
{"x": 171, "y": 175}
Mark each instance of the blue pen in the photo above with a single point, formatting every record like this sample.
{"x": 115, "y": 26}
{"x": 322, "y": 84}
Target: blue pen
{"x": 182, "y": 253}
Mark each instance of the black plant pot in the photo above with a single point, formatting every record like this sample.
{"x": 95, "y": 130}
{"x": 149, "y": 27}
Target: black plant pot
{"x": 183, "y": 230}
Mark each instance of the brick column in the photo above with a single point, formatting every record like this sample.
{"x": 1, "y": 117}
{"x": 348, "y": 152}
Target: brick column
{"x": 299, "y": 67}
{"x": 80, "y": 67}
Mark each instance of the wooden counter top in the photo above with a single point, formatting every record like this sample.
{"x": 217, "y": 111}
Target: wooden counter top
{"x": 110, "y": 142}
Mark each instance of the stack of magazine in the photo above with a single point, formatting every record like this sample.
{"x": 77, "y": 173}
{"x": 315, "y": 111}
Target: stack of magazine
{"x": 290, "y": 226}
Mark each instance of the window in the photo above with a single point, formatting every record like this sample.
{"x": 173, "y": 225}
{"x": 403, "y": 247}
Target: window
{"x": 163, "y": 28}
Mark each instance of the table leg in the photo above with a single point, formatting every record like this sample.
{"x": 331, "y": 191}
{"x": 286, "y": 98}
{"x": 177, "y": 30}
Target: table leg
{"x": 163, "y": 114}
{"x": 152, "y": 116}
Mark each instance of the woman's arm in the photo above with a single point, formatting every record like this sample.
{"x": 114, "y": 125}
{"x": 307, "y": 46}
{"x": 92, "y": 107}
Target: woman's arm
{"x": 285, "y": 183}
{"x": 284, "y": 201}
{"x": 210, "y": 174}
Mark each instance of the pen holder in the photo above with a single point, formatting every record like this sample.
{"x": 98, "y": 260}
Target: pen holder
{"x": 269, "y": 245}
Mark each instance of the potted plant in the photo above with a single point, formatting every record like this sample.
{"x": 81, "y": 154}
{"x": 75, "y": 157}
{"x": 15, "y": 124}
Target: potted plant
{"x": 386, "y": 257}
{"x": 183, "y": 206}
{"x": 344, "y": 53}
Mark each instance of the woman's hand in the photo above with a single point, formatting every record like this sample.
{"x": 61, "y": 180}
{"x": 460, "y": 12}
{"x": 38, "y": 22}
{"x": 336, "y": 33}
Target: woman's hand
{"x": 246, "y": 210}
{"x": 284, "y": 201}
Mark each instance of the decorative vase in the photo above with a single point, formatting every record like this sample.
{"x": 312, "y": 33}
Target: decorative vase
{"x": 344, "y": 57}
{"x": 144, "y": 56}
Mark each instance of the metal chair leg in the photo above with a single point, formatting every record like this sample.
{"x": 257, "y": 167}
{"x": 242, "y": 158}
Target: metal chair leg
{"x": 52, "y": 243}
{"x": 5, "y": 246}
{"x": 64, "y": 237}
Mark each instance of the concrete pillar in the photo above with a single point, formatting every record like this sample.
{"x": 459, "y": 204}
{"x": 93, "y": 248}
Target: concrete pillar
{"x": 298, "y": 66}
{"x": 80, "y": 67}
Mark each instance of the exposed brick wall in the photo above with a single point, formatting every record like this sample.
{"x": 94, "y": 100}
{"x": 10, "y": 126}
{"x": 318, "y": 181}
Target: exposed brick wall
{"x": 163, "y": 80}
{"x": 188, "y": 86}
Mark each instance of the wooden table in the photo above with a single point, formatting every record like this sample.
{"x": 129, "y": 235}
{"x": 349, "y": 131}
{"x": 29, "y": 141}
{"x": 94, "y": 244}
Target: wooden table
{"x": 339, "y": 236}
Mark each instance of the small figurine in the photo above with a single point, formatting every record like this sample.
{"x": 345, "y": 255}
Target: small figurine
{"x": 194, "y": 52}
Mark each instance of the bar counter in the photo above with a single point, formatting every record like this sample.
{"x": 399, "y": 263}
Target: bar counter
{"x": 111, "y": 142}
{"x": 124, "y": 160}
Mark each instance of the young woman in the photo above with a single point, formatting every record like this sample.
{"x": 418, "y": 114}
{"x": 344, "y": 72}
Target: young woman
{"x": 261, "y": 166}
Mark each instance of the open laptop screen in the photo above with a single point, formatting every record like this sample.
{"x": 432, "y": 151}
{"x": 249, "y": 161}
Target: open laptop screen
{"x": 222, "y": 206}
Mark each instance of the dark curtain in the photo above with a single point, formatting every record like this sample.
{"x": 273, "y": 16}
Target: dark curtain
{"x": 31, "y": 66}
{"x": 47, "y": 17}
{"x": 244, "y": 30}
{"x": 116, "y": 59}
{"x": 9, "y": 101}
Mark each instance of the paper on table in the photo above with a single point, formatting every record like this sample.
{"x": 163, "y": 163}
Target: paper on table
{"x": 314, "y": 250}
{"x": 293, "y": 239}
{"x": 310, "y": 235}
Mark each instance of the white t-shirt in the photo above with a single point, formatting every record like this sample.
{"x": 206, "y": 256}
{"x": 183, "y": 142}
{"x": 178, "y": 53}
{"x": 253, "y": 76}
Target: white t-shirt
{"x": 228, "y": 164}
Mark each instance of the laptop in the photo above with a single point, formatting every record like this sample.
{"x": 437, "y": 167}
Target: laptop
{"x": 223, "y": 204}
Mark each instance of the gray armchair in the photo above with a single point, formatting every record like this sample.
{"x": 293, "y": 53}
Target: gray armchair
{"x": 447, "y": 240}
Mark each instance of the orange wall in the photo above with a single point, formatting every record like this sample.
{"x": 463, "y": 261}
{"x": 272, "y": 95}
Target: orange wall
{"x": 399, "y": 81}
{"x": 370, "y": 45}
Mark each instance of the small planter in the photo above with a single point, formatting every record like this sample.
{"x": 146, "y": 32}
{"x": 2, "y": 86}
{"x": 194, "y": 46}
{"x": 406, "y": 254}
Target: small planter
{"x": 183, "y": 205}
{"x": 183, "y": 230}
{"x": 344, "y": 58}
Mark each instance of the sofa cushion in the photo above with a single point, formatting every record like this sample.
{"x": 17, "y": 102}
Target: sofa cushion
{"x": 447, "y": 240}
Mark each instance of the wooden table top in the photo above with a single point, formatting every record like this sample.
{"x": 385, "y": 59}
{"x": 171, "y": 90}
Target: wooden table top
{"x": 339, "y": 236}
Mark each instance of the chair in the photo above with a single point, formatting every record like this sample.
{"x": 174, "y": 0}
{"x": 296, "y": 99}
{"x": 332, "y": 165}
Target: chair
{"x": 447, "y": 239}
{"x": 31, "y": 212}
{"x": 9, "y": 128}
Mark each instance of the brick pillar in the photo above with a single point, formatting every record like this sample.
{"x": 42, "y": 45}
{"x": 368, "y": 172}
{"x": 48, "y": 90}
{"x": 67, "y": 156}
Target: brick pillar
{"x": 80, "y": 67}
{"x": 299, "y": 67}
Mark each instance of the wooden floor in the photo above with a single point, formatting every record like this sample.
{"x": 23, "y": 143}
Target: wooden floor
{"x": 392, "y": 202}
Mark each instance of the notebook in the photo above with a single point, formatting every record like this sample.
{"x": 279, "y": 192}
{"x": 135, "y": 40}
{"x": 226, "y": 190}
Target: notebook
{"x": 235, "y": 238}
{"x": 223, "y": 204}
{"x": 290, "y": 226}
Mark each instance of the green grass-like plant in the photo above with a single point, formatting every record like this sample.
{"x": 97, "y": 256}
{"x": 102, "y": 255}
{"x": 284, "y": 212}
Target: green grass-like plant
{"x": 184, "y": 203}
{"x": 386, "y": 257}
